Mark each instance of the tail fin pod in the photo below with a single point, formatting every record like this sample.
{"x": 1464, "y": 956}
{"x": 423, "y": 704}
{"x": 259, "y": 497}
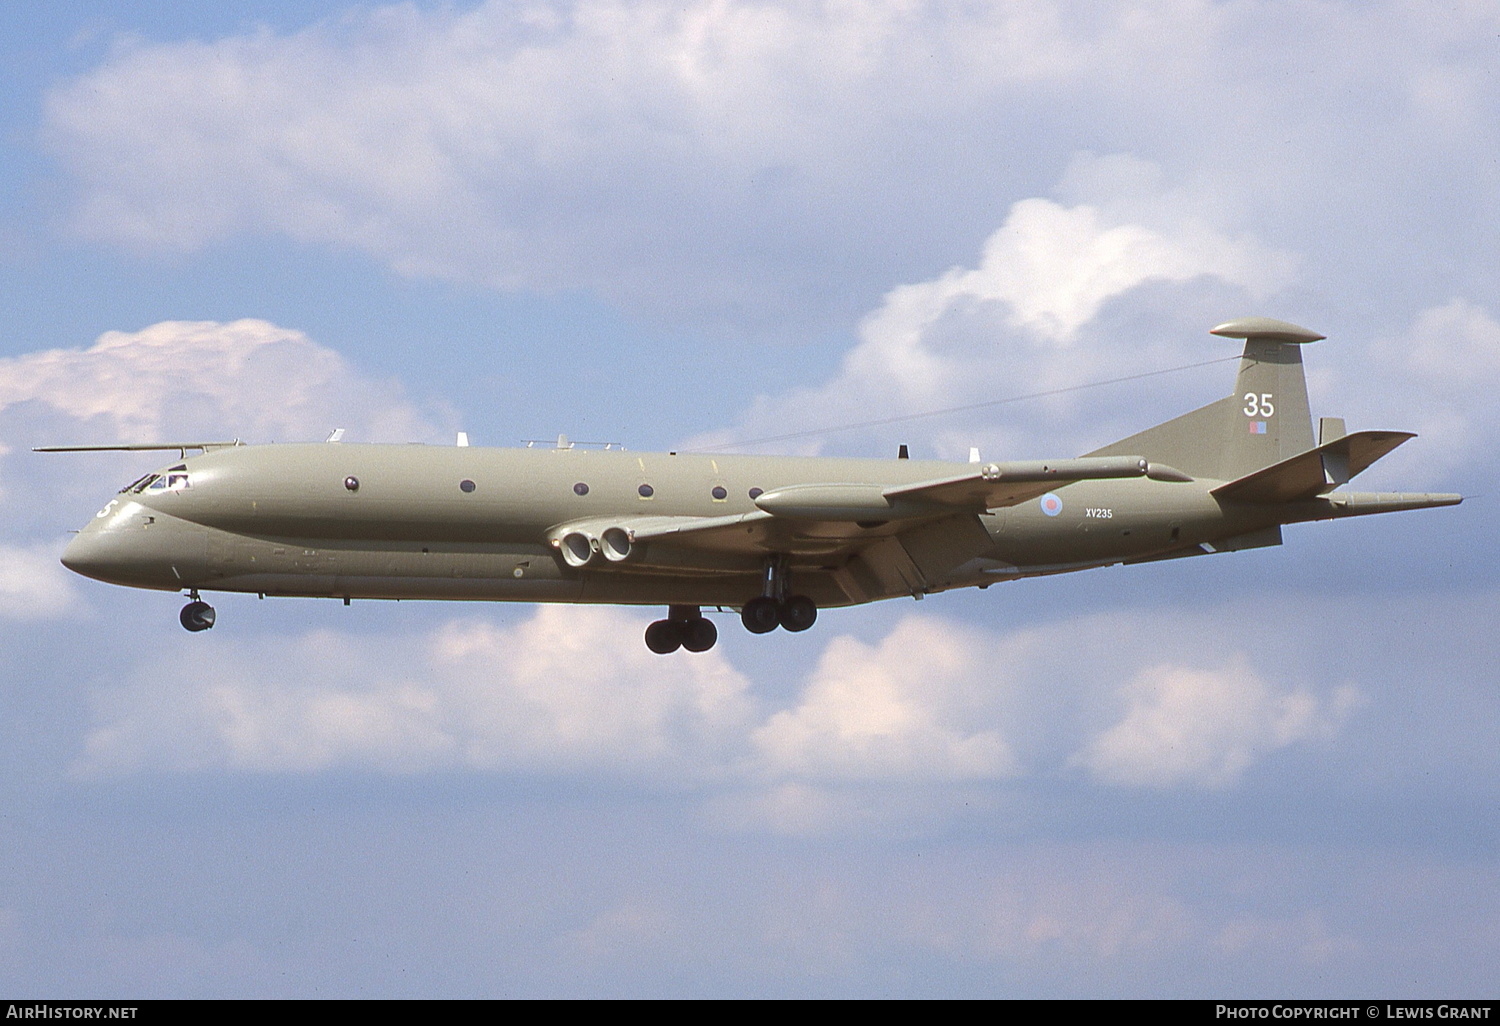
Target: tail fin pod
{"x": 1264, "y": 421}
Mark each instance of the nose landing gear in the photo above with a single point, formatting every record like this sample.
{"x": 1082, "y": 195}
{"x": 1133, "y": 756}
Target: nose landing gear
{"x": 685, "y": 627}
{"x": 197, "y": 615}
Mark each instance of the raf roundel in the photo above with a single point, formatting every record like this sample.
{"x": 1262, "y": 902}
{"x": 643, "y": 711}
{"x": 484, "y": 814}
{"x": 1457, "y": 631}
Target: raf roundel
{"x": 1051, "y": 504}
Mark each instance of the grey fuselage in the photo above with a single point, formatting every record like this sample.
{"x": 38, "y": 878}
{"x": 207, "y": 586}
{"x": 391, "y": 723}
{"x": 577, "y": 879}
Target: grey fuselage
{"x": 284, "y": 520}
{"x": 775, "y": 537}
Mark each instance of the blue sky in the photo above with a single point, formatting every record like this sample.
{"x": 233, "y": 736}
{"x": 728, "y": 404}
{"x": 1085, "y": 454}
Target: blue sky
{"x": 692, "y": 224}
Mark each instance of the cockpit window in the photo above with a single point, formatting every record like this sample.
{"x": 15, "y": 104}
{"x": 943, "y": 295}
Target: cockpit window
{"x": 174, "y": 479}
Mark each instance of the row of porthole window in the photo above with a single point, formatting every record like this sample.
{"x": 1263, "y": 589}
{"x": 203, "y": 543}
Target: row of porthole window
{"x": 645, "y": 491}
{"x": 352, "y": 483}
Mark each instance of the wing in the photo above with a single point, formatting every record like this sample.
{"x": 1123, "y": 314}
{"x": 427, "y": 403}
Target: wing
{"x": 830, "y": 521}
{"x": 683, "y": 543}
{"x": 996, "y": 485}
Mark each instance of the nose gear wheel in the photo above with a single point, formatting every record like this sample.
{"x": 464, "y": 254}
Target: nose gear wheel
{"x": 197, "y": 616}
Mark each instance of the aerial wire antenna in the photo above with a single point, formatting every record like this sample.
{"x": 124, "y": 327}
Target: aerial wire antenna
{"x": 746, "y": 443}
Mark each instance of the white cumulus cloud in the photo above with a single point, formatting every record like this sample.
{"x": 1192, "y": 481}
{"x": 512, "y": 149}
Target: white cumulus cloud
{"x": 743, "y": 156}
{"x": 1437, "y": 377}
{"x": 1026, "y": 319}
{"x": 1205, "y": 727}
{"x": 176, "y": 381}
{"x": 1055, "y": 266}
{"x": 901, "y": 734}
{"x": 207, "y": 380}
{"x": 33, "y": 585}
{"x": 567, "y": 690}
{"x": 907, "y": 709}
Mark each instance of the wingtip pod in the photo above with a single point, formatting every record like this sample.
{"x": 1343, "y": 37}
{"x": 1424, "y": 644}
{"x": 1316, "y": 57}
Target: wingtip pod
{"x": 1266, "y": 328}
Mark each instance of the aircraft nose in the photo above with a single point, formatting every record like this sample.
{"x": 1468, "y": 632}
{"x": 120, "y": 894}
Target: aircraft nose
{"x": 134, "y": 547}
{"x": 88, "y": 554}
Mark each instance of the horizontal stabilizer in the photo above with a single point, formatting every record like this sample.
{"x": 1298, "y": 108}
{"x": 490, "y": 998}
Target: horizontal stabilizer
{"x": 1307, "y": 475}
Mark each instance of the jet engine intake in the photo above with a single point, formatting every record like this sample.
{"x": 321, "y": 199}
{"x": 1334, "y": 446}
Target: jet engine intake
{"x": 579, "y": 549}
{"x": 616, "y": 545}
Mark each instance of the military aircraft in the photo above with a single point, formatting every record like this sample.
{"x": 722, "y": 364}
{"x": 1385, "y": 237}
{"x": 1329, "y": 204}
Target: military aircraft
{"x": 776, "y": 538}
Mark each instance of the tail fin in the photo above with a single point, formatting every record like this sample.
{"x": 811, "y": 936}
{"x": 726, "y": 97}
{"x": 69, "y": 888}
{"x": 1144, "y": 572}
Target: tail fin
{"x": 1266, "y": 419}
{"x": 1272, "y": 422}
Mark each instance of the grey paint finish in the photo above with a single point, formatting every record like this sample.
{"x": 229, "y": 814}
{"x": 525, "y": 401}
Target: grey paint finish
{"x": 690, "y": 530}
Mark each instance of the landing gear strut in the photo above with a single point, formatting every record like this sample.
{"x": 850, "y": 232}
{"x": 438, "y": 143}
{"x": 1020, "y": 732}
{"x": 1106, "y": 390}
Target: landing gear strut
{"x": 197, "y": 615}
{"x": 774, "y": 607}
{"x": 685, "y": 627}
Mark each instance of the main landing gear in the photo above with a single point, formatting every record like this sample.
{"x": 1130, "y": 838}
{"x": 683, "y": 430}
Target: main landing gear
{"x": 774, "y": 607}
{"x": 764, "y": 614}
{"x": 197, "y": 615}
{"x": 685, "y": 627}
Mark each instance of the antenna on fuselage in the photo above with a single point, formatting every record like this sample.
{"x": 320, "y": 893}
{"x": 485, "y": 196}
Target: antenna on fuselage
{"x": 564, "y": 442}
